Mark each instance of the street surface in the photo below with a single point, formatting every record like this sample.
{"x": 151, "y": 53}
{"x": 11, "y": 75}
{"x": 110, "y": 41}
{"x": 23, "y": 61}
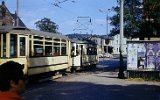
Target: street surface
{"x": 100, "y": 83}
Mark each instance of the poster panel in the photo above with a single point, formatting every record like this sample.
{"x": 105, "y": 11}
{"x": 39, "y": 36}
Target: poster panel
{"x": 132, "y": 56}
{"x": 151, "y": 51}
{"x": 141, "y": 54}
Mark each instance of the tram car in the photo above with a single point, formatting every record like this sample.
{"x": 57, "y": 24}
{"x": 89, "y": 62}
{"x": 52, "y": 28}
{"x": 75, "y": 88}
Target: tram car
{"x": 39, "y": 52}
{"x": 83, "y": 54}
{"x": 44, "y": 52}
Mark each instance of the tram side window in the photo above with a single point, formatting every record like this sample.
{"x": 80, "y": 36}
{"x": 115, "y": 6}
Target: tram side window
{"x": 22, "y": 46}
{"x": 38, "y": 50}
{"x": 56, "y": 49}
{"x": 72, "y": 51}
{"x": 4, "y": 45}
{"x": 95, "y": 51}
{"x": 89, "y": 51}
{"x": 63, "y": 51}
{"x": 13, "y": 45}
{"x": 77, "y": 50}
{"x": 0, "y": 45}
{"x": 48, "y": 50}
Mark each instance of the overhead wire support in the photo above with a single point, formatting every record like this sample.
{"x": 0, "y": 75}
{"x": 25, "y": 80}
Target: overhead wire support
{"x": 17, "y": 14}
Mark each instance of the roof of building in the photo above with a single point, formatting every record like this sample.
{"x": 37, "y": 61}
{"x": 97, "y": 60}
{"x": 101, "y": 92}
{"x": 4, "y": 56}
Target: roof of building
{"x": 14, "y": 16}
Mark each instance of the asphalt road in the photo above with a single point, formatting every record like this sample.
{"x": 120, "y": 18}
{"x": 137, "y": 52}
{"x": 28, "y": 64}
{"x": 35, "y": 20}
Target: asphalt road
{"x": 95, "y": 84}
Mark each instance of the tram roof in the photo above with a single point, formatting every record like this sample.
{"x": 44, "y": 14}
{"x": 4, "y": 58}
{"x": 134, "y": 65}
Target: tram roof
{"x": 24, "y": 30}
{"x": 83, "y": 42}
{"x": 78, "y": 41}
{"x": 48, "y": 34}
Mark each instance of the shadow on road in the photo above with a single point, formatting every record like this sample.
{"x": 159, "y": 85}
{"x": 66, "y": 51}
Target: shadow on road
{"x": 51, "y": 90}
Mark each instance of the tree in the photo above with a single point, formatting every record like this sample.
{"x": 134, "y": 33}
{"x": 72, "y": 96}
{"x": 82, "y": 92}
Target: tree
{"x": 132, "y": 18}
{"x": 46, "y": 25}
{"x": 151, "y": 16}
{"x": 141, "y": 18}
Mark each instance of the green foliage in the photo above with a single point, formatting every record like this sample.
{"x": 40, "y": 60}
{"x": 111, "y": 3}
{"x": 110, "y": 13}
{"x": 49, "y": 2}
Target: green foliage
{"x": 151, "y": 16}
{"x": 46, "y": 25}
{"x": 141, "y": 18}
{"x": 132, "y": 18}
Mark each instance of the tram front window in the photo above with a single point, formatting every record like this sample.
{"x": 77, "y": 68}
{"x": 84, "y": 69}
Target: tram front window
{"x": 13, "y": 45}
{"x": 22, "y": 46}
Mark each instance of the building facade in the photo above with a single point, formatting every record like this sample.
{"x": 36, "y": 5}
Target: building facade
{"x": 116, "y": 44}
{"x": 7, "y": 18}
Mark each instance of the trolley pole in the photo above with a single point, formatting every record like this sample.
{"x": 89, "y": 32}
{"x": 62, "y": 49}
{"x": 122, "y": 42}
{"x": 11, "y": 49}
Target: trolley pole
{"x": 121, "y": 67}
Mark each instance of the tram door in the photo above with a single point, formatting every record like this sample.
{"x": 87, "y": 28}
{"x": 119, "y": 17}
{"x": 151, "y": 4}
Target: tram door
{"x": 22, "y": 45}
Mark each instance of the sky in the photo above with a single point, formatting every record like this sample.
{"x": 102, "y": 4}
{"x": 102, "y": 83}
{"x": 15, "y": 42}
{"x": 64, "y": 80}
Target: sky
{"x": 67, "y": 14}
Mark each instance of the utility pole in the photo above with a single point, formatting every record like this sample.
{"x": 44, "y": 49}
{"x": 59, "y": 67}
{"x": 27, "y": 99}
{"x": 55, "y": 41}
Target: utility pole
{"x": 107, "y": 24}
{"x": 106, "y": 11}
{"x": 17, "y": 13}
{"x": 121, "y": 67}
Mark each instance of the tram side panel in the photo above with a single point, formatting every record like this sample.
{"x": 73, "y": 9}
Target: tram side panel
{"x": 47, "y": 64}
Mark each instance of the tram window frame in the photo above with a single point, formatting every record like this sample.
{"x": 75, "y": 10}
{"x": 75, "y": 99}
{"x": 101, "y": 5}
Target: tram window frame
{"x": 88, "y": 51}
{"x": 56, "y": 48}
{"x": 48, "y": 51}
{"x": 36, "y": 54}
{"x": 13, "y": 47}
{"x": 63, "y": 49}
{"x": 37, "y": 42}
{"x": 48, "y": 38}
{"x": 22, "y": 47}
{"x": 4, "y": 51}
{"x": 38, "y": 37}
{"x": 77, "y": 50}
{"x": 72, "y": 51}
{"x": 57, "y": 40}
{"x": 63, "y": 40}
{"x": 95, "y": 51}
{"x": 0, "y": 45}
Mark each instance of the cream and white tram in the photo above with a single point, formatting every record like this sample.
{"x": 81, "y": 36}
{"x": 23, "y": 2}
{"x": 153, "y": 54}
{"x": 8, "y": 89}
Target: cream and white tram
{"x": 38, "y": 51}
{"x": 83, "y": 54}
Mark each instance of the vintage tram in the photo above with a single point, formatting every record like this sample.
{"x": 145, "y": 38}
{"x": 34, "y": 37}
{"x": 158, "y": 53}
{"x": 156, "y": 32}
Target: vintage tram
{"x": 83, "y": 54}
{"x": 43, "y": 52}
{"x": 38, "y": 51}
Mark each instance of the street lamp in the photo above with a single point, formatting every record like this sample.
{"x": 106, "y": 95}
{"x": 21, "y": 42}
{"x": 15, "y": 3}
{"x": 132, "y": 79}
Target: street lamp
{"x": 121, "y": 67}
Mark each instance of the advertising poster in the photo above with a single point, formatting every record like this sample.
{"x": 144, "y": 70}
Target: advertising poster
{"x": 157, "y": 57}
{"x": 132, "y": 57}
{"x": 141, "y": 52}
{"x": 151, "y": 55}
